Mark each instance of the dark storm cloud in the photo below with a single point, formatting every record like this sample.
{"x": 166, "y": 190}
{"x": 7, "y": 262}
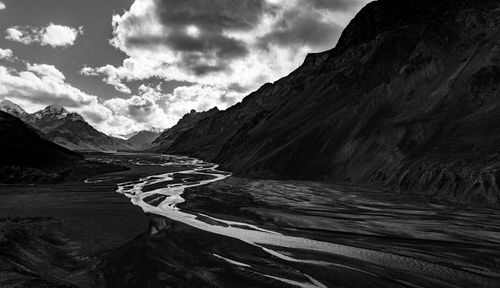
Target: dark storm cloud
{"x": 334, "y": 4}
{"x": 198, "y": 66}
{"x": 214, "y": 16}
{"x": 302, "y": 27}
{"x": 210, "y": 50}
{"x": 221, "y": 46}
{"x": 93, "y": 116}
{"x": 45, "y": 98}
{"x": 141, "y": 110}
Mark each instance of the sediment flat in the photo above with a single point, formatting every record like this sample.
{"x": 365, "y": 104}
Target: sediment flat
{"x": 326, "y": 235}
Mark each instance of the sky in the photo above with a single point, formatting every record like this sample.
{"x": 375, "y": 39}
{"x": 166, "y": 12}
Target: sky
{"x": 129, "y": 65}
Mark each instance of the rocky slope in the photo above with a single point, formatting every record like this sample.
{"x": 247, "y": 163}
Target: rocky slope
{"x": 186, "y": 123}
{"x": 13, "y": 109}
{"x": 143, "y": 139}
{"x": 409, "y": 100}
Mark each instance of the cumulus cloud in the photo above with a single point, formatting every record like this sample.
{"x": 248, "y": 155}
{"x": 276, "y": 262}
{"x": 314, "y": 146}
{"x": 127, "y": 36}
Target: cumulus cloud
{"x": 2, "y": 5}
{"x": 52, "y": 35}
{"x": 236, "y": 45}
{"x": 6, "y": 54}
{"x": 110, "y": 76}
{"x": 153, "y": 108}
{"x": 39, "y": 85}
{"x": 223, "y": 49}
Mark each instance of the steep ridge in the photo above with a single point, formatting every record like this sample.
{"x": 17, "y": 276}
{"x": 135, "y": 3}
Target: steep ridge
{"x": 175, "y": 134}
{"x": 408, "y": 100}
{"x": 21, "y": 145}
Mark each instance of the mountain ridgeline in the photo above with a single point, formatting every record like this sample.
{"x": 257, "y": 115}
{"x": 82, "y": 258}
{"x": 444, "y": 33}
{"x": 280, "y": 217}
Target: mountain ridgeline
{"x": 72, "y": 131}
{"x": 408, "y": 100}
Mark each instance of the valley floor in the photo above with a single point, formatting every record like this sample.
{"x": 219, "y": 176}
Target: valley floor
{"x": 85, "y": 234}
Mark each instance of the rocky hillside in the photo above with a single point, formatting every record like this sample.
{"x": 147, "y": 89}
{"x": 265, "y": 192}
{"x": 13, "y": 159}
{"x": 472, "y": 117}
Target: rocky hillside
{"x": 143, "y": 139}
{"x": 408, "y": 100}
{"x": 175, "y": 134}
{"x": 13, "y": 109}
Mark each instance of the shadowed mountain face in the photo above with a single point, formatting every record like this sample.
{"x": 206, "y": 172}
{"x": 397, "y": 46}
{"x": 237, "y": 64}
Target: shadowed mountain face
{"x": 143, "y": 139}
{"x": 409, "y": 99}
{"x": 175, "y": 134}
{"x": 67, "y": 129}
{"x": 21, "y": 145}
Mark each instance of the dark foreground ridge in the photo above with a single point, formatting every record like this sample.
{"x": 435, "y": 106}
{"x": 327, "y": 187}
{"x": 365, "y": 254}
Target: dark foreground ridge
{"x": 22, "y": 145}
{"x": 27, "y": 156}
{"x": 407, "y": 100}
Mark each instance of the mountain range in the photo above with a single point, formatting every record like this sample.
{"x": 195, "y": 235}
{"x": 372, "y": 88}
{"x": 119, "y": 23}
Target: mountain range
{"x": 73, "y": 132}
{"x": 408, "y": 100}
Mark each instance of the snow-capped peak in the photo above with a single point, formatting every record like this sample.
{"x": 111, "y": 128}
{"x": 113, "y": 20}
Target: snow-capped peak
{"x": 12, "y": 108}
{"x": 55, "y": 109}
{"x": 55, "y": 112}
{"x": 156, "y": 130}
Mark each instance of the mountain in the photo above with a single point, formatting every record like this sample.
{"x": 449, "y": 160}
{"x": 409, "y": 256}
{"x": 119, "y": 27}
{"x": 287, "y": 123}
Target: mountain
{"x": 408, "y": 100}
{"x": 21, "y": 145}
{"x": 143, "y": 139}
{"x": 79, "y": 135}
{"x": 175, "y": 134}
{"x": 51, "y": 117}
{"x": 65, "y": 128}
{"x": 13, "y": 109}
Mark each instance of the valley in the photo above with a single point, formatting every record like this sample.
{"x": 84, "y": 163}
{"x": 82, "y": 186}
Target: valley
{"x": 206, "y": 229}
{"x": 375, "y": 163}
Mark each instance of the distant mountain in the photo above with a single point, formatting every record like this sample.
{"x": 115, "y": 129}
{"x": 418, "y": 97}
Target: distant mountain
{"x": 51, "y": 117}
{"x": 13, "y": 109}
{"x": 143, "y": 139}
{"x": 67, "y": 129}
{"x": 79, "y": 135}
{"x": 21, "y": 145}
{"x": 408, "y": 100}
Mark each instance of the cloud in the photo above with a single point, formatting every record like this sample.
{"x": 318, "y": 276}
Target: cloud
{"x": 42, "y": 84}
{"x": 2, "y": 6}
{"x": 47, "y": 72}
{"x": 6, "y": 54}
{"x": 302, "y": 27}
{"x": 343, "y": 5}
{"x": 38, "y": 85}
{"x": 153, "y": 108}
{"x": 60, "y": 36}
{"x": 52, "y": 35}
{"x": 111, "y": 77}
{"x": 238, "y": 45}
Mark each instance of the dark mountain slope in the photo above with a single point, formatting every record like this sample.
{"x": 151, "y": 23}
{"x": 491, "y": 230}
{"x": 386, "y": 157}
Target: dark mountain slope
{"x": 408, "y": 99}
{"x": 23, "y": 146}
{"x": 79, "y": 135}
{"x": 175, "y": 134}
{"x": 142, "y": 139}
